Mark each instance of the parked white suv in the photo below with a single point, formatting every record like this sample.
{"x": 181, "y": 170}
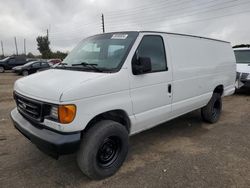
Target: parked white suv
{"x": 243, "y": 66}
{"x": 117, "y": 84}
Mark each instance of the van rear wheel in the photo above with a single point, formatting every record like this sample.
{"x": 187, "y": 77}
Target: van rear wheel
{"x": 103, "y": 149}
{"x": 212, "y": 111}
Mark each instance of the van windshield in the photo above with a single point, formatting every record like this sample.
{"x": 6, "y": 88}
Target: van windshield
{"x": 242, "y": 56}
{"x": 105, "y": 52}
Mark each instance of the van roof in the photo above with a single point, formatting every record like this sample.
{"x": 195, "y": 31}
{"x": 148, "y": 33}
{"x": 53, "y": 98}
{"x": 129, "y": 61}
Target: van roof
{"x": 242, "y": 48}
{"x": 173, "y": 34}
{"x": 184, "y": 35}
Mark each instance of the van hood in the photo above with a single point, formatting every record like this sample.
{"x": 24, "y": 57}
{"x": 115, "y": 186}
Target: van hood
{"x": 243, "y": 68}
{"x": 50, "y": 84}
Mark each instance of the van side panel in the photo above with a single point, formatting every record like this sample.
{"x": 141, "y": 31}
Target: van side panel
{"x": 199, "y": 65}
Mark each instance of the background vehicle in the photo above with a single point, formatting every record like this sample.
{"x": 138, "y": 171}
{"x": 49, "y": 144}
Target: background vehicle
{"x": 54, "y": 61}
{"x": 243, "y": 66}
{"x": 31, "y": 67}
{"x": 9, "y": 62}
{"x": 114, "y": 85}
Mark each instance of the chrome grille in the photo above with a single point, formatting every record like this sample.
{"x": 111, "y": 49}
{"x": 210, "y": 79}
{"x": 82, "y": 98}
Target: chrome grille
{"x": 29, "y": 108}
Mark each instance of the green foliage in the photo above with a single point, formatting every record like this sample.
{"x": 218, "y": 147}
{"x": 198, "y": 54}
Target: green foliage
{"x": 30, "y": 55}
{"x": 43, "y": 46}
{"x": 59, "y": 55}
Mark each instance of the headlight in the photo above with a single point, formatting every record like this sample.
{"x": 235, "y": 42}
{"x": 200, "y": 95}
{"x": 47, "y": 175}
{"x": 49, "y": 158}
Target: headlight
{"x": 63, "y": 113}
{"x": 54, "y": 112}
{"x": 248, "y": 77}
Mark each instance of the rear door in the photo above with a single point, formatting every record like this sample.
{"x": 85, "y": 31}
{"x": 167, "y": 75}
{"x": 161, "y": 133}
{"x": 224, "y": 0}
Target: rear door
{"x": 20, "y": 60}
{"x": 34, "y": 67}
{"x": 151, "y": 93}
{"x": 11, "y": 63}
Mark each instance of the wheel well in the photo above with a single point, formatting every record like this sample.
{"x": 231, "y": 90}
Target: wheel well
{"x": 219, "y": 89}
{"x": 115, "y": 115}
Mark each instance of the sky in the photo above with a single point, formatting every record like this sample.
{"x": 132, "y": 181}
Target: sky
{"x": 69, "y": 21}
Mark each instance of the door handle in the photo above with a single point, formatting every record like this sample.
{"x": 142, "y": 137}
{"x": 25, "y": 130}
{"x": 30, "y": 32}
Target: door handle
{"x": 169, "y": 88}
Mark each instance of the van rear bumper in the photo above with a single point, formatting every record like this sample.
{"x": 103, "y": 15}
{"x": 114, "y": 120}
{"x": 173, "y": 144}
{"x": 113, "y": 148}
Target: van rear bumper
{"x": 50, "y": 142}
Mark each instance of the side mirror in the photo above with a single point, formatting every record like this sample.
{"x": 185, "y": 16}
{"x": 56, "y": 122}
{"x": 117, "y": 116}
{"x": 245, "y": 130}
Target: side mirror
{"x": 141, "y": 66}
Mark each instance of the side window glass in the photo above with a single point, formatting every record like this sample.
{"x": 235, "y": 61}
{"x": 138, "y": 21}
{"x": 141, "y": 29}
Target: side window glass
{"x": 36, "y": 65}
{"x": 44, "y": 64}
{"x": 11, "y": 61}
{"x": 152, "y": 47}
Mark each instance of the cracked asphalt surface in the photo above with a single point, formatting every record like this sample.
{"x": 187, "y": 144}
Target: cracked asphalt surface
{"x": 184, "y": 152}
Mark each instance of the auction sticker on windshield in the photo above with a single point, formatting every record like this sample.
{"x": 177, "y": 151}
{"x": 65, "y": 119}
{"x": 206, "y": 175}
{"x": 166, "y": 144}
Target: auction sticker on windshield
{"x": 119, "y": 36}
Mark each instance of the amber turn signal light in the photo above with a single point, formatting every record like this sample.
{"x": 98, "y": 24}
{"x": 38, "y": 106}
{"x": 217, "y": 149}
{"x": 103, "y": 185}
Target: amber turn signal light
{"x": 66, "y": 113}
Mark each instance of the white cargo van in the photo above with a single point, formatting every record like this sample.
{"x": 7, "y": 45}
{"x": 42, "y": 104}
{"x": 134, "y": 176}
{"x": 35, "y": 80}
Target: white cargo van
{"x": 243, "y": 66}
{"x": 118, "y": 84}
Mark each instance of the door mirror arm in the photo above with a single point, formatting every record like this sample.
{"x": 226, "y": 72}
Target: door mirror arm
{"x": 142, "y": 65}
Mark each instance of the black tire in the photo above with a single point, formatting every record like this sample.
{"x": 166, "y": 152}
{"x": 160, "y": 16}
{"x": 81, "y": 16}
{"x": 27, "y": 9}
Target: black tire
{"x": 103, "y": 149}
{"x": 2, "y": 69}
{"x": 25, "y": 73}
{"x": 212, "y": 111}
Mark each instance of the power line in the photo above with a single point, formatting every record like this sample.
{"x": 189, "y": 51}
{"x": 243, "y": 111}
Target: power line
{"x": 200, "y": 20}
{"x": 149, "y": 6}
{"x": 75, "y": 32}
{"x": 175, "y": 10}
{"x": 154, "y": 20}
{"x": 221, "y": 8}
{"x": 91, "y": 23}
{"x": 198, "y": 10}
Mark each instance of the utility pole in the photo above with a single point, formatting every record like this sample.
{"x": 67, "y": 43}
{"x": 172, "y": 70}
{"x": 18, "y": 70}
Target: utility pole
{"x": 24, "y": 46}
{"x": 2, "y": 48}
{"x": 48, "y": 34}
{"x": 16, "y": 45}
{"x": 103, "y": 26}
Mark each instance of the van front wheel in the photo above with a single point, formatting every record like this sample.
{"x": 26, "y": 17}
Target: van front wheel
{"x": 212, "y": 111}
{"x": 103, "y": 149}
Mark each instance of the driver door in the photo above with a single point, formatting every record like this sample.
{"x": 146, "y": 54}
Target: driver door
{"x": 151, "y": 92}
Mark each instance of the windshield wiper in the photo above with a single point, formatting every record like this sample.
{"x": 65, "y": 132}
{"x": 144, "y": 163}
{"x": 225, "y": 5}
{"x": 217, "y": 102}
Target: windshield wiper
{"x": 59, "y": 65}
{"x": 90, "y": 65}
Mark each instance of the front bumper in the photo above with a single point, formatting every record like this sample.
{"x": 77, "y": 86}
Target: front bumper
{"x": 247, "y": 83}
{"x": 242, "y": 80}
{"x": 50, "y": 142}
{"x": 17, "y": 71}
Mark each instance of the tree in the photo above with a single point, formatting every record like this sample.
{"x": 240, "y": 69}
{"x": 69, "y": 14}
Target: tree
{"x": 30, "y": 55}
{"x": 43, "y": 46}
{"x": 59, "y": 55}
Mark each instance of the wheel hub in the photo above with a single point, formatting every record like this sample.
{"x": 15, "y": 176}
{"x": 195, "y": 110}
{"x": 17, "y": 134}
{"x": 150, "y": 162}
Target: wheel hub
{"x": 108, "y": 152}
